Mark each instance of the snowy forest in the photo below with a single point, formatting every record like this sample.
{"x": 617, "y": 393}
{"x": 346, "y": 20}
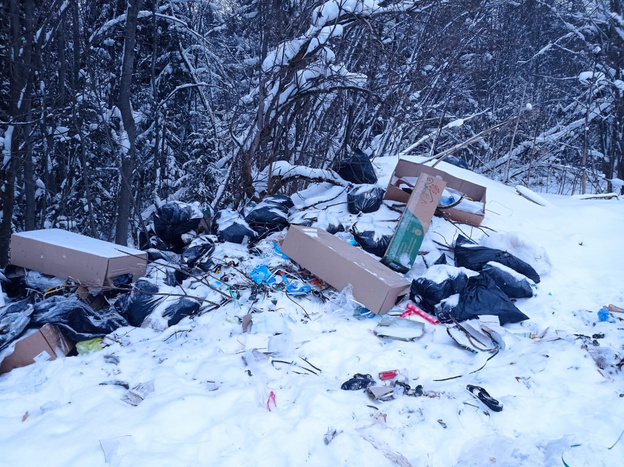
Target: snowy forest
{"x": 109, "y": 109}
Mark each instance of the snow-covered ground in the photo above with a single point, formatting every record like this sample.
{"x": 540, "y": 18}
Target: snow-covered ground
{"x": 210, "y": 399}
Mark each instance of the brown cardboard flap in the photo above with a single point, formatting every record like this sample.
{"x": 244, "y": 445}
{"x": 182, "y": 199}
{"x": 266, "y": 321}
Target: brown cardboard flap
{"x": 47, "y": 343}
{"x": 407, "y": 172}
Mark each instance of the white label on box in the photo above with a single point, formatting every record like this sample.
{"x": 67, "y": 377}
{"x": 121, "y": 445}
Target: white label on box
{"x": 42, "y": 357}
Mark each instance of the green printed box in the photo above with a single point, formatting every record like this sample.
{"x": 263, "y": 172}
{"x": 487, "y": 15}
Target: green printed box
{"x": 414, "y": 223}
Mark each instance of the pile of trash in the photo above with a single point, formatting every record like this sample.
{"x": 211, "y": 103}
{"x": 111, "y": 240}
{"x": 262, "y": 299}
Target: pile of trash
{"x": 192, "y": 262}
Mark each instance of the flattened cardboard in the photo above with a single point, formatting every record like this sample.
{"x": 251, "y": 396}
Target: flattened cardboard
{"x": 339, "y": 264}
{"x": 69, "y": 255}
{"x": 408, "y": 169}
{"x": 46, "y": 344}
{"x": 414, "y": 223}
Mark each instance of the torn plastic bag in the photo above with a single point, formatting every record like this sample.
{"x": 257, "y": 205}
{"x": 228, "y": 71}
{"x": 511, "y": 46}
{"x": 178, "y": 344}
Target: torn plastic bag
{"x": 13, "y": 320}
{"x": 197, "y": 251}
{"x": 475, "y": 257}
{"x": 483, "y": 297}
{"x": 359, "y": 381}
{"x": 165, "y": 271}
{"x": 356, "y": 168}
{"x": 513, "y": 284}
{"x": 77, "y": 320}
{"x": 173, "y": 219}
{"x": 283, "y": 201}
{"x": 229, "y": 226}
{"x": 267, "y": 215}
{"x": 428, "y": 293}
{"x": 403, "y": 329}
{"x": 364, "y": 198}
{"x": 181, "y": 309}
{"x": 138, "y": 304}
{"x": 371, "y": 242}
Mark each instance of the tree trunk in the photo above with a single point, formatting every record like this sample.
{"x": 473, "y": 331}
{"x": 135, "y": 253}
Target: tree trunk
{"x": 127, "y": 154}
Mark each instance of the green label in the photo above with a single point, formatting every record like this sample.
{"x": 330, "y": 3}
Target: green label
{"x": 405, "y": 244}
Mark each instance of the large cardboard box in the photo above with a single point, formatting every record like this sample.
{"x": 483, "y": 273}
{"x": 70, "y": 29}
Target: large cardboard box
{"x": 69, "y": 255}
{"x": 414, "y": 222}
{"x": 340, "y": 264}
{"x": 46, "y": 344}
{"x": 406, "y": 172}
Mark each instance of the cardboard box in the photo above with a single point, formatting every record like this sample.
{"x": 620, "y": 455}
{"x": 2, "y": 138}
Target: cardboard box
{"x": 406, "y": 170}
{"x": 85, "y": 260}
{"x": 414, "y": 223}
{"x": 46, "y": 344}
{"x": 340, "y": 264}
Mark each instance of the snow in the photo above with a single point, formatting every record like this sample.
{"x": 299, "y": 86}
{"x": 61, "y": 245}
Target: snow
{"x": 218, "y": 400}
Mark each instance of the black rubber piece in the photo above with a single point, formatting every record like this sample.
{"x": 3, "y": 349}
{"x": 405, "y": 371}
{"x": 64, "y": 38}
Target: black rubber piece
{"x": 484, "y": 397}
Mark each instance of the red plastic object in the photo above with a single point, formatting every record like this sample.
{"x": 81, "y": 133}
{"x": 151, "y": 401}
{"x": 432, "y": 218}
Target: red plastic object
{"x": 414, "y": 310}
{"x": 271, "y": 399}
{"x": 385, "y": 375}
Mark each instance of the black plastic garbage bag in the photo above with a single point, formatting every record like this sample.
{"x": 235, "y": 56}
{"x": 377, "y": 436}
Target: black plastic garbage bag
{"x": 285, "y": 202}
{"x": 77, "y": 320}
{"x": 200, "y": 251}
{"x": 13, "y": 320}
{"x": 138, "y": 304}
{"x": 359, "y": 381}
{"x": 483, "y": 297}
{"x": 514, "y": 287}
{"x": 329, "y": 223}
{"x": 364, "y": 198}
{"x": 357, "y": 168}
{"x": 441, "y": 260}
{"x": 229, "y": 226}
{"x": 268, "y": 215}
{"x": 173, "y": 219}
{"x": 181, "y": 309}
{"x": 371, "y": 242}
{"x": 428, "y": 293}
{"x": 472, "y": 256}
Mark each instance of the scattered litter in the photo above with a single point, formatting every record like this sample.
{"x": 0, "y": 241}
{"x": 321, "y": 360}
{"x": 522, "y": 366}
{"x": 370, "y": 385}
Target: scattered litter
{"x": 116, "y": 382}
{"x": 91, "y": 345}
{"x": 392, "y": 327}
{"x": 414, "y": 310}
{"x": 138, "y": 393}
{"x": 604, "y": 315}
{"x": 484, "y": 396}
{"x": 359, "y": 381}
{"x": 380, "y": 393}
{"x": 271, "y": 401}
{"x": 330, "y": 435}
{"x": 389, "y": 374}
